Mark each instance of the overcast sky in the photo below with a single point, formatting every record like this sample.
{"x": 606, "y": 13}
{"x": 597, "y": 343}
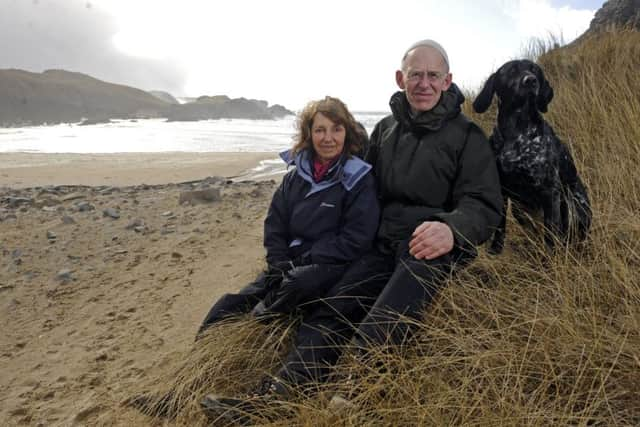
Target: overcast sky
{"x": 285, "y": 52}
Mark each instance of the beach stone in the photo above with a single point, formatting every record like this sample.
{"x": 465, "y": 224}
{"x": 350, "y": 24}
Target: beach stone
{"x": 16, "y": 253}
{"x": 194, "y": 196}
{"x": 84, "y": 207}
{"x": 167, "y": 213}
{"x": 64, "y": 275}
{"x": 48, "y": 190}
{"x": 15, "y": 202}
{"x": 72, "y": 196}
{"x": 66, "y": 219}
{"x": 111, "y": 212}
{"x": 215, "y": 180}
{"x": 108, "y": 190}
{"x": 138, "y": 222}
{"x": 46, "y": 202}
{"x": 51, "y": 235}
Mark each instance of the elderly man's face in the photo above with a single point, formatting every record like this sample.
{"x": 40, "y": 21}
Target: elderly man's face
{"x": 424, "y": 78}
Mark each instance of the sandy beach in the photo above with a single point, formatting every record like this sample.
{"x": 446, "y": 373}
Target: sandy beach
{"x": 104, "y": 280}
{"x": 20, "y": 170}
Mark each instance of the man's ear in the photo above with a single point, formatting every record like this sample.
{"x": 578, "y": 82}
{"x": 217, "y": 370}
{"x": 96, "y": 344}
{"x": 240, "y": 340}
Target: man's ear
{"x": 447, "y": 81}
{"x": 483, "y": 100}
{"x": 400, "y": 80}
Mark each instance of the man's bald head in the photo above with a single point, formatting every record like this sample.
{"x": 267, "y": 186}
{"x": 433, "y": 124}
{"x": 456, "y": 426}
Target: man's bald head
{"x": 426, "y": 43}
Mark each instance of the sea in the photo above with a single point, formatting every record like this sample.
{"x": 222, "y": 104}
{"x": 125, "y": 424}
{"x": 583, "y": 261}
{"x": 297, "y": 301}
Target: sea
{"x": 159, "y": 135}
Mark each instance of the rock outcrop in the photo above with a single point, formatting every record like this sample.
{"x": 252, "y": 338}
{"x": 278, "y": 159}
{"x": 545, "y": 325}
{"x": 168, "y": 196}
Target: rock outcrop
{"x": 616, "y": 14}
{"x": 223, "y": 107}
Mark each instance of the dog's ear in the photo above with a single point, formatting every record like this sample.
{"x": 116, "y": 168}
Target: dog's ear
{"x": 483, "y": 100}
{"x": 545, "y": 94}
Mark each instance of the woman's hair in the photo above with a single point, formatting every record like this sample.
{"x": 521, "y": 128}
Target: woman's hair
{"x": 336, "y": 111}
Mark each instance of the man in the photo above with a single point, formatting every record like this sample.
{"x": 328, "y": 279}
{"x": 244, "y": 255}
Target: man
{"x": 440, "y": 196}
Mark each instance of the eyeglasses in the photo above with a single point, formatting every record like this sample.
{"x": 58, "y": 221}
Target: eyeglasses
{"x": 432, "y": 76}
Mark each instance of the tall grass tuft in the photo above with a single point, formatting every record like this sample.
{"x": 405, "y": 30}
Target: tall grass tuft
{"x": 528, "y": 338}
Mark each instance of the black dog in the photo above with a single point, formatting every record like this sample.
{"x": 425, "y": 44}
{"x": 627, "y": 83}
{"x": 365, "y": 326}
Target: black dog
{"x": 536, "y": 169}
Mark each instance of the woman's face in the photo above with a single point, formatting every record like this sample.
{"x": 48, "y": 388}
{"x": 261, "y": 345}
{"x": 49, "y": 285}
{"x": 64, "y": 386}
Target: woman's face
{"x": 327, "y": 137}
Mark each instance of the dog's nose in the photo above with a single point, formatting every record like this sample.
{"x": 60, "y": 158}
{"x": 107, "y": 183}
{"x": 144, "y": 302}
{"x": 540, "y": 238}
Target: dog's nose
{"x": 530, "y": 80}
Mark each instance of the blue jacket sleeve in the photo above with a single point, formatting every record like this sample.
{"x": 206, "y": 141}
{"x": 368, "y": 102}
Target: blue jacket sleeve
{"x": 276, "y": 234}
{"x": 359, "y": 226}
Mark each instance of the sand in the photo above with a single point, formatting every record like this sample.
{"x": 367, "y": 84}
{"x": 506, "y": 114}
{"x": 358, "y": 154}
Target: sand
{"x": 19, "y": 170}
{"x": 92, "y": 305}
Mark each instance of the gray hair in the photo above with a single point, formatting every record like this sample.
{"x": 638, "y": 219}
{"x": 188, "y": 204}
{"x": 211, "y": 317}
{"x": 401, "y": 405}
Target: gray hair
{"x": 426, "y": 43}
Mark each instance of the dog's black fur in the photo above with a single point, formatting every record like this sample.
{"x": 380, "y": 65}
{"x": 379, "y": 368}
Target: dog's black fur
{"x": 536, "y": 169}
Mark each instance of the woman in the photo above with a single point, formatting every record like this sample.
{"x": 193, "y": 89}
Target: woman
{"x": 323, "y": 216}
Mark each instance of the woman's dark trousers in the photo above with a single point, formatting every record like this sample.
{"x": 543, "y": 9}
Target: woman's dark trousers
{"x": 376, "y": 303}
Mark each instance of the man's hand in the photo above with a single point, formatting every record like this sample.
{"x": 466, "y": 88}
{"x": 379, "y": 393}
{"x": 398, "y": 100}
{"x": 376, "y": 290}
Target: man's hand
{"x": 431, "y": 239}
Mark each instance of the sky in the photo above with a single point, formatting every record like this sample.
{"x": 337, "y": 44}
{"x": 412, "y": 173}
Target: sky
{"x": 284, "y": 52}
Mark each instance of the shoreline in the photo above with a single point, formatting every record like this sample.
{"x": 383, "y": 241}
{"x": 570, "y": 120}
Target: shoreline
{"x": 23, "y": 170}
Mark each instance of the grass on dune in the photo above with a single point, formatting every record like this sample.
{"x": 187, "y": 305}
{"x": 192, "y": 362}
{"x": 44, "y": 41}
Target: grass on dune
{"x": 528, "y": 338}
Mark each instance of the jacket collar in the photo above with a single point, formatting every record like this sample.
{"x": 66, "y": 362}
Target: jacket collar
{"x": 447, "y": 107}
{"x": 347, "y": 171}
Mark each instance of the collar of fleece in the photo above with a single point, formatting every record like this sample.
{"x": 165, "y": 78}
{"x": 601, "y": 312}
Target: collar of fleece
{"x": 447, "y": 108}
{"x": 346, "y": 171}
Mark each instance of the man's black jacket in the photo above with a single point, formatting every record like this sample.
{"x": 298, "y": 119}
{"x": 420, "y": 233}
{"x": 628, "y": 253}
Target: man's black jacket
{"x": 437, "y": 166}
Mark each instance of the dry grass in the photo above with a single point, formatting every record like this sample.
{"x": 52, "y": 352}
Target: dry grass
{"x": 525, "y": 339}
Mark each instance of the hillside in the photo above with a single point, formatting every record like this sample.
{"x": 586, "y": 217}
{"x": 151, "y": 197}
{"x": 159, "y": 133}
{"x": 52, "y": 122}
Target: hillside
{"x": 57, "y": 96}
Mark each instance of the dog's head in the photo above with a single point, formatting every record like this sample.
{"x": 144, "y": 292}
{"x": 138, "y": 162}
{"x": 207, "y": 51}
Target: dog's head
{"x": 516, "y": 83}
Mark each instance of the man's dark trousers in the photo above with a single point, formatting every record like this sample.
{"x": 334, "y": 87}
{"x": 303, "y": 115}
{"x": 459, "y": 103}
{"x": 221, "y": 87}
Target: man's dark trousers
{"x": 376, "y": 302}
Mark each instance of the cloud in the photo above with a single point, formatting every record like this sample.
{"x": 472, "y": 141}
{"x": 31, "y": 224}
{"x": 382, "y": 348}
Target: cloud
{"x": 75, "y": 35}
{"x": 540, "y": 19}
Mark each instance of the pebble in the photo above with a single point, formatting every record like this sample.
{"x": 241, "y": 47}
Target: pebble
{"x": 138, "y": 222}
{"x": 84, "y": 207}
{"x": 72, "y": 196}
{"x": 194, "y": 196}
{"x": 66, "y": 219}
{"x": 111, "y": 212}
{"x": 51, "y": 235}
{"x": 14, "y": 202}
{"x": 64, "y": 275}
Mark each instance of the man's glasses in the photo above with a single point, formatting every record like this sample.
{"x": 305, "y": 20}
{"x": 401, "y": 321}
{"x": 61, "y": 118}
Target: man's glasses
{"x": 418, "y": 76}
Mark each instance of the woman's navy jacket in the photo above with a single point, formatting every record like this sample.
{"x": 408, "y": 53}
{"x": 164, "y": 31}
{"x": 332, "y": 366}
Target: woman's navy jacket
{"x": 333, "y": 221}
